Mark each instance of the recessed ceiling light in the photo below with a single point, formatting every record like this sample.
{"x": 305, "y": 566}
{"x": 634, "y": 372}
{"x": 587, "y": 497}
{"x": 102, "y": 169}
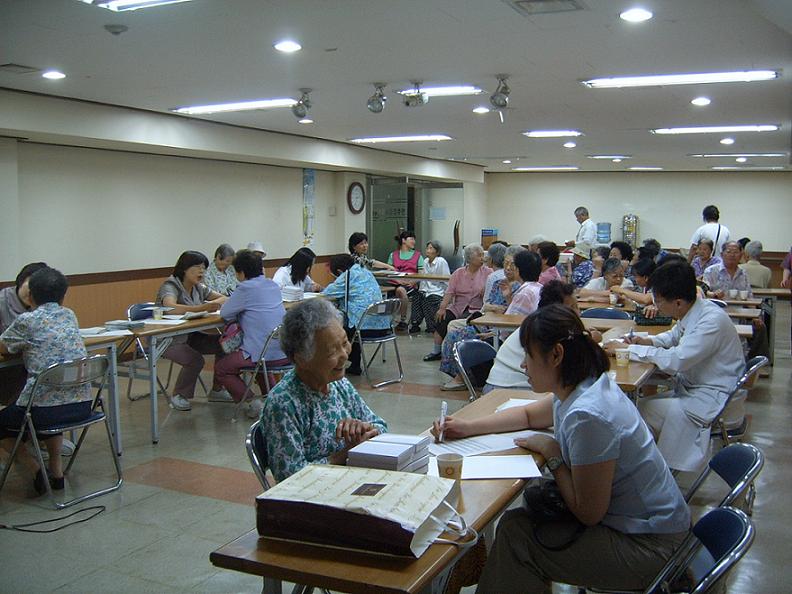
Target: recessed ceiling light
{"x": 551, "y": 133}
{"x": 238, "y": 106}
{"x": 53, "y": 74}
{"x": 732, "y": 168}
{"x": 657, "y": 80}
{"x": 305, "y": 121}
{"x": 617, "y": 160}
{"x": 717, "y": 129}
{"x": 547, "y": 168}
{"x": 701, "y": 101}
{"x": 612, "y": 157}
{"x": 636, "y": 15}
{"x": 741, "y": 159}
{"x": 570, "y": 144}
{"x": 287, "y": 46}
{"x": 727, "y": 140}
{"x": 444, "y": 91}
{"x": 506, "y": 161}
{"x": 481, "y": 109}
{"x": 645, "y": 168}
{"x": 727, "y": 155}
{"x": 415, "y": 138}
{"x": 123, "y": 5}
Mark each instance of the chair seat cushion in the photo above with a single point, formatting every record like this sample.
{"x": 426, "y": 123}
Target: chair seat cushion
{"x": 94, "y": 417}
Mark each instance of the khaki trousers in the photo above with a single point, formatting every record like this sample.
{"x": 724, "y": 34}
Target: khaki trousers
{"x": 601, "y": 558}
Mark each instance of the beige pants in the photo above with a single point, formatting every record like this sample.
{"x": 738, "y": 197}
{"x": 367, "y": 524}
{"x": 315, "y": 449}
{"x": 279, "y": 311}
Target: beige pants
{"x": 601, "y": 558}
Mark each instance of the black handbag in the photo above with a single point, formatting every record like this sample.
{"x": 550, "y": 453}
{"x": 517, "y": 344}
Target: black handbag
{"x": 555, "y": 527}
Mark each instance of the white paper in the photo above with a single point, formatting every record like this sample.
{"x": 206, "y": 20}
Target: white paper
{"x": 163, "y": 322}
{"x": 117, "y": 333}
{"x": 494, "y": 467}
{"x": 480, "y": 444}
{"x": 514, "y": 403}
{"x": 93, "y": 331}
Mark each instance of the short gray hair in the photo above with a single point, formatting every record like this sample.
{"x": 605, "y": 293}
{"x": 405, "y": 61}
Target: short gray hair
{"x": 537, "y": 239}
{"x": 610, "y": 265}
{"x": 302, "y": 322}
{"x": 581, "y": 211}
{"x": 754, "y": 249}
{"x": 496, "y": 252}
{"x": 436, "y": 245}
{"x": 224, "y": 251}
{"x": 513, "y": 250}
{"x": 470, "y": 249}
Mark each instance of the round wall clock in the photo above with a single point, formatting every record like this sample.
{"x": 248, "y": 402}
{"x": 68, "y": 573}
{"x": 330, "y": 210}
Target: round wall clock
{"x": 356, "y": 198}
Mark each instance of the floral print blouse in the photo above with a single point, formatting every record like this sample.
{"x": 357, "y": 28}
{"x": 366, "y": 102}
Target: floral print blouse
{"x": 221, "y": 282}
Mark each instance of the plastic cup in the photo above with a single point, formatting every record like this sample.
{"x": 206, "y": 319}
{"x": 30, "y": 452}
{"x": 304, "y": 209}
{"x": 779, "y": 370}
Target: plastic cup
{"x": 450, "y": 466}
{"x": 156, "y": 313}
{"x": 614, "y": 298}
{"x": 743, "y": 295}
{"x": 622, "y": 357}
{"x": 733, "y": 293}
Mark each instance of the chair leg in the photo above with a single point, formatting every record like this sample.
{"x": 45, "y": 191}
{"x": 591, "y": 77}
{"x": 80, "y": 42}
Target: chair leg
{"x": 750, "y": 496}
{"x": 40, "y": 460}
{"x": 11, "y": 458}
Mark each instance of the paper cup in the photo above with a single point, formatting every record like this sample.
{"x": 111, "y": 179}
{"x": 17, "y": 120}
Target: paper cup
{"x": 622, "y": 357}
{"x": 743, "y": 295}
{"x": 733, "y": 293}
{"x": 614, "y": 298}
{"x": 450, "y": 466}
{"x": 156, "y": 313}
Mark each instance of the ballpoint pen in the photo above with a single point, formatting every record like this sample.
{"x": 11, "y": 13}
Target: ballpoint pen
{"x": 443, "y": 413}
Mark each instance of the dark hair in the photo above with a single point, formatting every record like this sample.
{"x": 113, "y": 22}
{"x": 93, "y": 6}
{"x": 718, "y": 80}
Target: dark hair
{"x": 340, "y": 263}
{"x": 27, "y": 271}
{"x": 711, "y": 213}
{"x": 555, "y": 292}
{"x": 708, "y": 242}
{"x": 610, "y": 265}
{"x": 224, "y": 251}
{"x": 675, "y": 279}
{"x": 500, "y": 242}
{"x": 646, "y": 252}
{"x": 187, "y": 260}
{"x": 671, "y": 258}
{"x": 301, "y": 262}
{"x": 356, "y": 238}
{"x": 653, "y": 244}
{"x": 529, "y": 265}
{"x": 603, "y": 251}
{"x": 248, "y": 263}
{"x": 558, "y": 324}
{"x": 644, "y": 267}
{"x": 48, "y": 285}
{"x": 625, "y": 249}
{"x": 549, "y": 251}
{"x": 743, "y": 241}
{"x": 403, "y": 235}
{"x": 436, "y": 245}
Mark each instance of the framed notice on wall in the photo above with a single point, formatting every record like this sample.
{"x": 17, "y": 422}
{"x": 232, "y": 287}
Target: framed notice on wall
{"x": 488, "y": 236}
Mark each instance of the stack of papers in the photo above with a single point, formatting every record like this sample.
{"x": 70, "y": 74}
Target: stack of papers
{"x": 480, "y": 444}
{"x": 124, "y": 324}
{"x": 102, "y": 331}
{"x": 393, "y": 451}
{"x": 494, "y": 467}
{"x": 292, "y": 294}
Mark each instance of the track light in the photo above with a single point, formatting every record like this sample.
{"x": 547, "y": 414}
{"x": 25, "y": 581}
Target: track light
{"x": 416, "y": 97}
{"x": 500, "y": 98}
{"x": 376, "y": 103}
{"x": 300, "y": 109}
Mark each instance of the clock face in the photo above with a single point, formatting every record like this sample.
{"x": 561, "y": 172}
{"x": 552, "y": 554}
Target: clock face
{"x": 356, "y": 198}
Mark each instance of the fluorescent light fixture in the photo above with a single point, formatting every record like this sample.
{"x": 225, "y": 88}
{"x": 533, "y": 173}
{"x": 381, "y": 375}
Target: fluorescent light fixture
{"x": 617, "y": 160}
{"x": 636, "y": 15}
{"x": 443, "y": 91}
{"x": 551, "y": 133}
{"x": 728, "y": 155}
{"x": 727, "y": 140}
{"x": 506, "y": 161}
{"x": 547, "y": 168}
{"x": 609, "y": 157}
{"x": 731, "y": 168}
{"x": 305, "y": 121}
{"x": 661, "y": 80}
{"x": 415, "y": 138}
{"x": 238, "y": 106}
{"x": 570, "y": 144}
{"x": 741, "y": 160}
{"x": 123, "y": 5}
{"x": 645, "y": 168}
{"x": 701, "y": 101}
{"x": 287, "y": 46}
{"x": 717, "y": 129}
{"x": 53, "y": 75}
{"x": 481, "y": 109}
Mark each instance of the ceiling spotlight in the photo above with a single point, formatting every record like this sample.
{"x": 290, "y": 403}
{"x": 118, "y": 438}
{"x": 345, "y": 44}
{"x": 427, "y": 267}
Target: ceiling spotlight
{"x": 506, "y": 161}
{"x": 727, "y": 141}
{"x": 701, "y": 101}
{"x": 500, "y": 98}
{"x": 306, "y": 121}
{"x": 287, "y": 46}
{"x": 376, "y": 103}
{"x": 53, "y": 75}
{"x": 570, "y": 144}
{"x": 741, "y": 159}
{"x": 636, "y": 15}
{"x": 300, "y": 109}
{"x": 481, "y": 109}
{"x": 416, "y": 97}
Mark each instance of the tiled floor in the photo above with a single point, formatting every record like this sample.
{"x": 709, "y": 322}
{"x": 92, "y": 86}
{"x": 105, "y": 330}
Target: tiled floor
{"x": 193, "y": 492}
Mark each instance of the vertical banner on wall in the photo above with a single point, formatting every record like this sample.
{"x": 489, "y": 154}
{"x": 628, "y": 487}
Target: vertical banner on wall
{"x": 309, "y": 185}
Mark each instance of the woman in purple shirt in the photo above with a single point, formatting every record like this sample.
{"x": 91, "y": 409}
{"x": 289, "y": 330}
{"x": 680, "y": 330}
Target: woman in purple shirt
{"x": 257, "y": 306}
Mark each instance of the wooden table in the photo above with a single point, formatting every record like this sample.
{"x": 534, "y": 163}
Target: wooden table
{"x": 417, "y": 276}
{"x": 584, "y": 304}
{"x": 481, "y": 502}
{"x": 754, "y": 302}
{"x": 744, "y": 313}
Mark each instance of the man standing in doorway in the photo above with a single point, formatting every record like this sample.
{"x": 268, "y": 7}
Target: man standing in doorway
{"x": 587, "y": 233}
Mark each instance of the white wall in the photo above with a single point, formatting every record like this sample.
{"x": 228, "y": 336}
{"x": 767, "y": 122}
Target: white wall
{"x": 669, "y": 205}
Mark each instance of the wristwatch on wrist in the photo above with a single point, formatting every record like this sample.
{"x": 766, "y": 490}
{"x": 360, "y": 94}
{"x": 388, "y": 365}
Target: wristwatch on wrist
{"x": 554, "y": 463}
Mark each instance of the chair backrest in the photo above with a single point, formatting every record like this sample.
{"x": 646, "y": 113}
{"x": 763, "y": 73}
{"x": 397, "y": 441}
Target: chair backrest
{"x": 257, "y": 453}
{"x": 73, "y": 374}
{"x": 469, "y": 353}
{"x": 715, "y": 544}
{"x": 272, "y": 336}
{"x": 752, "y": 367}
{"x": 387, "y": 308}
{"x": 738, "y": 465}
{"x": 138, "y": 311}
{"x": 719, "y": 303}
{"x": 607, "y": 313}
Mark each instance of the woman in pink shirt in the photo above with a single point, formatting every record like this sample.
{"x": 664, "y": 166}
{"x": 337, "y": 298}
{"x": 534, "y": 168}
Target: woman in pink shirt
{"x": 465, "y": 295}
{"x": 548, "y": 252}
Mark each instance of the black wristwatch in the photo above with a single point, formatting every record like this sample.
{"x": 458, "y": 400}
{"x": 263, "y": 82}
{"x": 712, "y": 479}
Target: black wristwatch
{"x": 554, "y": 463}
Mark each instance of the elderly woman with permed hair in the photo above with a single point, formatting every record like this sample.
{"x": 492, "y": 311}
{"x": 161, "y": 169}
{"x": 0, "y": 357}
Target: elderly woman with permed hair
{"x": 314, "y": 415}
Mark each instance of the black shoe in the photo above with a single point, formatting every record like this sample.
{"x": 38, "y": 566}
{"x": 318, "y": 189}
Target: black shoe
{"x": 416, "y": 329}
{"x": 433, "y": 357}
{"x": 401, "y": 327}
{"x": 353, "y": 371}
{"x": 39, "y": 482}
{"x": 56, "y": 483}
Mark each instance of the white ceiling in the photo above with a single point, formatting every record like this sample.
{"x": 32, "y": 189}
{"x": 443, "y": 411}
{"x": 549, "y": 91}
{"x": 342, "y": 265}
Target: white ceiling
{"x": 213, "y": 51}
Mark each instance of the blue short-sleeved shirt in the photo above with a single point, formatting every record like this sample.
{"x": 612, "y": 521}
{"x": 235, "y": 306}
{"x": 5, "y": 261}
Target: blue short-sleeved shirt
{"x": 598, "y": 423}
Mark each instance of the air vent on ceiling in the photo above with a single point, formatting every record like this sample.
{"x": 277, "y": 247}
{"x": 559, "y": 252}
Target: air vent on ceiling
{"x": 531, "y": 7}
{"x": 12, "y": 68}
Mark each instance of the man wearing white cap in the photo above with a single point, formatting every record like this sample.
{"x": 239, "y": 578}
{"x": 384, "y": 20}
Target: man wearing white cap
{"x": 257, "y": 247}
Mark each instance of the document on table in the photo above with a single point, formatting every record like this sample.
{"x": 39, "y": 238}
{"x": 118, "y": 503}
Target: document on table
{"x": 479, "y": 444}
{"x": 101, "y": 331}
{"x": 163, "y": 322}
{"x": 494, "y": 467}
{"x": 514, "y": 403}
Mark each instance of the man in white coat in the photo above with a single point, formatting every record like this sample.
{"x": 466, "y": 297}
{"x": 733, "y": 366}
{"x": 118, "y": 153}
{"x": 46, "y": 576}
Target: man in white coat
{"x": 703, "y": 354}
{"x": 587, "y": 233}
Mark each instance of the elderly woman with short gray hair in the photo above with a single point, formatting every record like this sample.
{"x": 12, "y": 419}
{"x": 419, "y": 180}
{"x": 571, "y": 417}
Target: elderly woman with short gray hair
{"x": 465, "y": 295}
{"x": 314, "y": 415}
{"x": 599, "y": 289}
{"x": 221, "y": 276}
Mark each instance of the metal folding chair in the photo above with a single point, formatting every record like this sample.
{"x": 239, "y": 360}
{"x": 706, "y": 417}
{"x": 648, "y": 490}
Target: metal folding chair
{"x": 382, "y": 309}
{"x": 469, "y": 353}
{"x": 607, "y": 313}
{"x": 135, "y": 312}
{"x": 738, "y": 465}
{"x": 261, "y": 366}
{"x": 726, "y": 434}
{"x": 68, "y": 374}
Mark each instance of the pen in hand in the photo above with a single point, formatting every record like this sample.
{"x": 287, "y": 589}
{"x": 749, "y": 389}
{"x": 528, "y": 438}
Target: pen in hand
{"x": 443, "y": 413}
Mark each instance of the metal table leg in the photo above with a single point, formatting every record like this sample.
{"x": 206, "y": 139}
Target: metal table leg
{"x": 153, "y": 389}
{"x": 113, "y": 409}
